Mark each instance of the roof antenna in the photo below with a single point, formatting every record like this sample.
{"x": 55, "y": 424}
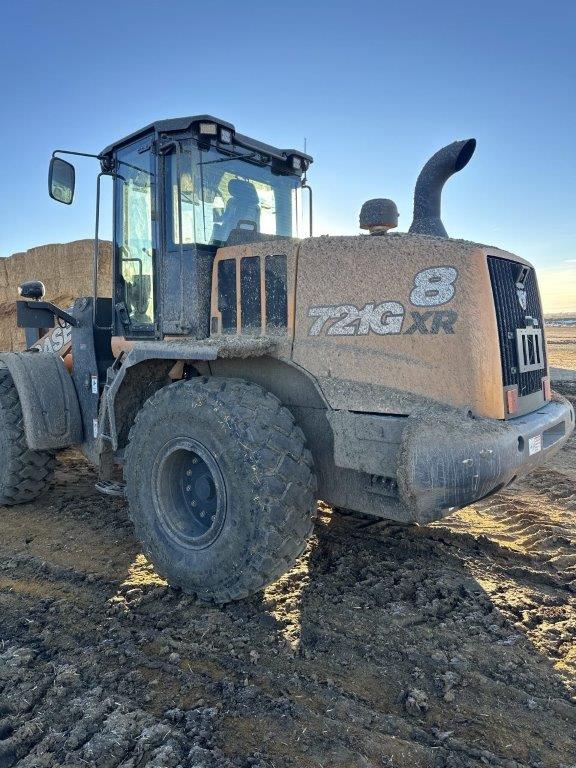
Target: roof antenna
{"x": 304, "y": 184}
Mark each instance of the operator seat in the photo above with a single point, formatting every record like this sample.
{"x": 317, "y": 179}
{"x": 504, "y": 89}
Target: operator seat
{"x": 242, "y": 208}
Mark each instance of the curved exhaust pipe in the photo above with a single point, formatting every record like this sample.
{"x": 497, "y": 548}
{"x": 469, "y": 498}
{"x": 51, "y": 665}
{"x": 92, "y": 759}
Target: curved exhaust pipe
{"x": 428, "y": 191}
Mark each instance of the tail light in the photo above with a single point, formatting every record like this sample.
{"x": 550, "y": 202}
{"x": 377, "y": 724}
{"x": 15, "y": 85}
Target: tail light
{"x": 512, "y": 400}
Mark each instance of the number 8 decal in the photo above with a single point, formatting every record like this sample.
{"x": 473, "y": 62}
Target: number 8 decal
{"x": 433, "y": 286}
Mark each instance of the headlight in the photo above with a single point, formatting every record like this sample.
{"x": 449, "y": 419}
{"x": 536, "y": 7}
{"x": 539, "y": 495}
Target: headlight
{"x": 296, "y": 163}
{"x": 208, "y": 129}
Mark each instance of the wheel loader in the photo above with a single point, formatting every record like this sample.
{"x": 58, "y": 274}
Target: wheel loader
{"x": 242, "y": 369}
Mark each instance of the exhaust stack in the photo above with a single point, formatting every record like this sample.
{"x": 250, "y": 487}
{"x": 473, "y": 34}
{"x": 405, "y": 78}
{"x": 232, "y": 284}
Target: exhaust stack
{"x": 428, "y": 191}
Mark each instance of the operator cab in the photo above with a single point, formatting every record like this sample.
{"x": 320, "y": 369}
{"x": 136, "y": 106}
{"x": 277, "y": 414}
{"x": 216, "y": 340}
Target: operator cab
{"x": 182, "y": 189}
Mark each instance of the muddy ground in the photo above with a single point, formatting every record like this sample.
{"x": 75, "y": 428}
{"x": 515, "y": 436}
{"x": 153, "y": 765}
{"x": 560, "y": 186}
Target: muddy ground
{"x": 448, "y": 646}
{"x": 561, "y": 344}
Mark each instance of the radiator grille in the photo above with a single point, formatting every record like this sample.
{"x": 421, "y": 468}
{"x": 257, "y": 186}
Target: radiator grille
{"x": 510, "y": 316}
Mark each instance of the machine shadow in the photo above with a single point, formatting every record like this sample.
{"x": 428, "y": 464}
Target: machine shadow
{"x": 427, "y": 623}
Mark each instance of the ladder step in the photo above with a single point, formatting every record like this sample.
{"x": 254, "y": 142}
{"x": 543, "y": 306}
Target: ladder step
{"x": 111, "y": 489}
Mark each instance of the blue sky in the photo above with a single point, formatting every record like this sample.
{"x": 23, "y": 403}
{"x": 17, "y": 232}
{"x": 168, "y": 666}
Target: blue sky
{"x": 375, "y": 87}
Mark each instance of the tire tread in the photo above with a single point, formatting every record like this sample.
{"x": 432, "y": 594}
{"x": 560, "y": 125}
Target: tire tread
{"x": 28, "y": 473}
{"x": 285, "y": 472}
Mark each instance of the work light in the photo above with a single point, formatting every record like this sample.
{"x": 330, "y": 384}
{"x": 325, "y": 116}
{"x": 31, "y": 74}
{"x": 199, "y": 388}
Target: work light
{"x": 208, "y": 129}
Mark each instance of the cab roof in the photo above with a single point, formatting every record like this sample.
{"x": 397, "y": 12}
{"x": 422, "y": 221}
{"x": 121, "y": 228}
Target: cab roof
{"x": 179, "y": 124}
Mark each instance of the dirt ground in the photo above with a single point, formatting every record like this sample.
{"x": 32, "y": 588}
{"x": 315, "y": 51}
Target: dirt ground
{"x": 561, "y": 343}
{"x": 447, "y": 646}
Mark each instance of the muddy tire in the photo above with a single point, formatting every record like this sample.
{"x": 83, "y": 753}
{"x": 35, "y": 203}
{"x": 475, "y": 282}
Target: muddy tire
{"x": 24, "y": 474}
{"x": 220, "y": 486}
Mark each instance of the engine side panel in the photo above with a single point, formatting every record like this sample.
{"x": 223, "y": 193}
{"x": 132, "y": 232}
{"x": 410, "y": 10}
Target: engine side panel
{"x": 384, "y": 321}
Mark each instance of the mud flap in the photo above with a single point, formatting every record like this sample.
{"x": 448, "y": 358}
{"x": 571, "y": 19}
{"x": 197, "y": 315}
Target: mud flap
{"x": 48, "y": 398}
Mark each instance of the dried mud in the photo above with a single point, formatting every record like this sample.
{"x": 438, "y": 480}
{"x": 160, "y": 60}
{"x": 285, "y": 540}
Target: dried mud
{"x": 446, "y": 646}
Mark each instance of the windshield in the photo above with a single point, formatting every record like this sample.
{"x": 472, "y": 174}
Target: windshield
{"x": 220, "y": 195}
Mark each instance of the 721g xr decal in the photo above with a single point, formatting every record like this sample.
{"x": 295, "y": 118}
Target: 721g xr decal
{"x": 432, "y": 287}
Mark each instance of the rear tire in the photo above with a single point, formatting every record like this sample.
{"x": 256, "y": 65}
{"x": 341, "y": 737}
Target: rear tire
{"x": 220, "y": 486}
{"x": 24, "y": 474}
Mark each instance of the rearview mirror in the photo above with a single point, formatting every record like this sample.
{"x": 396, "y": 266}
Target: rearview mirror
{"x": 61, "y": 181}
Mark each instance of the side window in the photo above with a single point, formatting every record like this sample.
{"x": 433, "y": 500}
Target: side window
{"x": 134, "y": 236}
{"x": 276, "y": 294}
{"x": 210, "y": 196}
{"x": 196, "y": 201}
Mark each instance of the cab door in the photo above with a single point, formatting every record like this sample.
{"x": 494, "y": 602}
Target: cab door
{"x": 135, "y": 238}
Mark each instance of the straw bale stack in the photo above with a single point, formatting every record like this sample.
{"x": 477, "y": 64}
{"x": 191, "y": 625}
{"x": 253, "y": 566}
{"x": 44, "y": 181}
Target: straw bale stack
{"x": 66, "y": 271}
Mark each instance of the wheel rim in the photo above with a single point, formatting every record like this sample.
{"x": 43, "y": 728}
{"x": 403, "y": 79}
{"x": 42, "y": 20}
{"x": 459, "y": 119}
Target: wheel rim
{"x": 189, "y": 492}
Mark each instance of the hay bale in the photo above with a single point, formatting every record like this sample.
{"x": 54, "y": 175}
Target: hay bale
{"x": 75, "y": 268}
{"x": 7, "y": 323}
{"x": 3, "y": 281}
{"x": 66, "y": 271}
{"x": 17, "y": 272}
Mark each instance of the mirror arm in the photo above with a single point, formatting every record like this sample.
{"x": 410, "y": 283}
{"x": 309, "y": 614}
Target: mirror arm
{"x": 70, "y": 152}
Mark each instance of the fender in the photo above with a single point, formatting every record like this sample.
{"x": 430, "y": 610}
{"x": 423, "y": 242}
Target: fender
{"x": 133, "y": 356}
{"x": 48, "y": 398}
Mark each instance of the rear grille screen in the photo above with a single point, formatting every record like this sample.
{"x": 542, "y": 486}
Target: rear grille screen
{"x": 522, "y": 352}
{"x": 530, "y": 353}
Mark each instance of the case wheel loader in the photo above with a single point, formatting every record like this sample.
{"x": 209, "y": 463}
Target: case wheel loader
{"x": 239, "y": 371}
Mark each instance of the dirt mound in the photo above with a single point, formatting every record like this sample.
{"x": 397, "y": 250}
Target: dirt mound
{"x": 448, "y": 646}
{"x": 64, "y": 268}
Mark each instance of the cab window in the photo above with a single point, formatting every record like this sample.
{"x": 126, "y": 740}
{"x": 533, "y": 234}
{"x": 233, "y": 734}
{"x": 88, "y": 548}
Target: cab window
{"x": 219, "y": 194}
{"x": 134, "y": 231}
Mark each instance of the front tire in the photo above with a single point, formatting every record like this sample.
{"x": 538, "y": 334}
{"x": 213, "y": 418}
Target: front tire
{"x": 24, "y": 474}
{"x": 220, "y": 486}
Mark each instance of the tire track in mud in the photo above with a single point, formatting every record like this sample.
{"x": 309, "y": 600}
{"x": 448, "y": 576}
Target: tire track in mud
{"x": 449, "y": 646}
{"x": 535, "y": 520}
{"x": 536, "y": 515}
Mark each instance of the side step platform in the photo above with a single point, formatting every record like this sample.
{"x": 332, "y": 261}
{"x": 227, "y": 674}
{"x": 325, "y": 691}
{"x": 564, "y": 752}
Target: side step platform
{"x": 108, "y": 488}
